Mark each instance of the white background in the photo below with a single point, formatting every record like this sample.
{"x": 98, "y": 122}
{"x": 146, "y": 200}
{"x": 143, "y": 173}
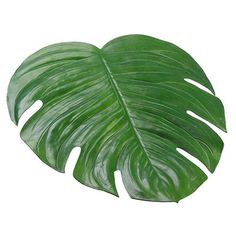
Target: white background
{"x": 36, "y": 200}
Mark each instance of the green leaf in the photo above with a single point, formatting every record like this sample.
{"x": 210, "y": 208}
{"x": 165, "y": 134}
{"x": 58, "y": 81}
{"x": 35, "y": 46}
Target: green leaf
{"x": 126, "y": 106}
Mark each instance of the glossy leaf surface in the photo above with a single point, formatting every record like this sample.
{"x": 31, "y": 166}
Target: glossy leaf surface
{"x": 126, "y": 106}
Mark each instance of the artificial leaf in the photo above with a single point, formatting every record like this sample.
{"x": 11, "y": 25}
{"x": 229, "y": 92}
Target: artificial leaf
{"x": 126, "y": 106}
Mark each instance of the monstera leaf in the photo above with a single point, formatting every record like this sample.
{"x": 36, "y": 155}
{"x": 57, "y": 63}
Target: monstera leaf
{"x": 126, "y": 106}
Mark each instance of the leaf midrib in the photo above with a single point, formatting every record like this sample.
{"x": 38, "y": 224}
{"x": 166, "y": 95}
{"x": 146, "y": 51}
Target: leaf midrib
{"x": 123, "y": 104}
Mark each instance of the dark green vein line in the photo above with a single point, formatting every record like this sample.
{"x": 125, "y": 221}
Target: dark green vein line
{"x": 123, "y": 105}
